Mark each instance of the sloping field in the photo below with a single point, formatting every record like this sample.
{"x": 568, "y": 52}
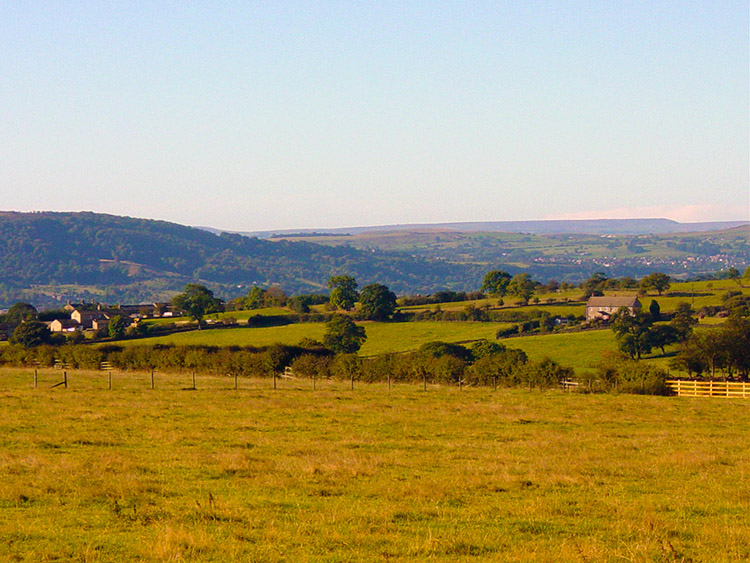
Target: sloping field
{"x": 580, "y": 350}
{"x": 381, "y": 337}
{"x": 336, "y": 475}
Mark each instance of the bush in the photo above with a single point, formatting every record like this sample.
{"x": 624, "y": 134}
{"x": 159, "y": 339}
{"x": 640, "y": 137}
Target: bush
{"x": 439, "y": 349}
{"x": 618, "y": 373}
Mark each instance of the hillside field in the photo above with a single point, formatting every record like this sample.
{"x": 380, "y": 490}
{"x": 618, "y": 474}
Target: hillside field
{"x": 336, "y": 475}
{"x": 381, "y": 337}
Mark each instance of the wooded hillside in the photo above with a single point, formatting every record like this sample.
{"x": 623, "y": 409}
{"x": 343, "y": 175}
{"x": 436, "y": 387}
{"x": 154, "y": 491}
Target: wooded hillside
{"x": 138, "y": 259}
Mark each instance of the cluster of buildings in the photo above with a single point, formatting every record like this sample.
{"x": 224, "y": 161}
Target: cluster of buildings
{"x": 85, "y": 316}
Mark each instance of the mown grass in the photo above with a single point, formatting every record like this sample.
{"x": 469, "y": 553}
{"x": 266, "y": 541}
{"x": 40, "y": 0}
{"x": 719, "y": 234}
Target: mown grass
{"x": 370, "y": 475}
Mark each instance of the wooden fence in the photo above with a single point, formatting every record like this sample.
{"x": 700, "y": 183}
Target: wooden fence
{"x": 709, "y": 389}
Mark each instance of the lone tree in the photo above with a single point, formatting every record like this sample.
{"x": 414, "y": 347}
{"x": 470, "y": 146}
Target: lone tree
{"x": 496, "y": 283}
{"x": 521, "y": 286}
{"x": 378, "y": 302}
{"x": 343, "y": 292}
{"x": 657, "y": 281}
{"x": 197, "y": 301}
{"x": 30, "y": 334}
{"x": 343, "y": 336}
{"x": 655, "y": 310}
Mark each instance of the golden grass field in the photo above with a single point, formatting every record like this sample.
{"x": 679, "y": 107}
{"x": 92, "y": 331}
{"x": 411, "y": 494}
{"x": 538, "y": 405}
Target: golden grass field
{"x": 336, "y": 475}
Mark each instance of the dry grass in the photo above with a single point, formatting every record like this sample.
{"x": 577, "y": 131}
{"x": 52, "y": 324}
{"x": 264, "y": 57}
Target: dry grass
{"x": 335, "y": 475}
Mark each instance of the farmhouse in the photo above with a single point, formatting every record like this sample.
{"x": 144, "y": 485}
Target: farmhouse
{"x": 87, "y": 318}
{"x": 605, "y": 307}
{"x": 64, "y": 325}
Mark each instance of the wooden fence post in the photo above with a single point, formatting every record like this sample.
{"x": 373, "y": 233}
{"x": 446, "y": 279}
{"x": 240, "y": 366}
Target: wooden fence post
{"x": 494, "y": 383}
{"x": 274, "y": 380}
{"x": 109, "y": 380}
{"x": 65, "y": 379}
{"x": 36, "y": 377}
{"x": 424, "y": 381}
{"x": 152, "y": 379}
{"x": 313, "y": 381}
{"x": 352, "y": 380}
{"x": 193, "y": 380}
{"x": 389, "y": 381}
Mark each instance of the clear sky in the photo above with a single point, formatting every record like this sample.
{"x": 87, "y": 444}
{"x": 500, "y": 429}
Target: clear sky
{"x": 276, "y": 114}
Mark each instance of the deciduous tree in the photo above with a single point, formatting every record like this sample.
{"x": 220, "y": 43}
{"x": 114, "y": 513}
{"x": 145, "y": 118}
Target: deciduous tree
{"x": 343, "y": 292}
{"x": 116, "y": 327}
{"x": 378, "y": 302}
{"x": 496, "y": 283}
{"x": 521, "y": 286}
{"x": 657, "y": 281}
{"x": 197, "y": 301}
{"x": 20, "y": 312}
{"x": 632, "y": 332}
{"x": 30, "y": 334}
{"x": 343, "y": 336}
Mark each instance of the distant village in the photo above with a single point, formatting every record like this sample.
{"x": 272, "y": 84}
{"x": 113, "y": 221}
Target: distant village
{"x": 95, "y": 316}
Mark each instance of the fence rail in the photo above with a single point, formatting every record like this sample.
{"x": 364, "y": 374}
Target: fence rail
{"x": 724, "y": 389}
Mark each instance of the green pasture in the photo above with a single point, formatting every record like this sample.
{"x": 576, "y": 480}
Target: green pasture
{"x": 336, "y": 475}
{"x": 580, "y": 350}
{"x": 381, "y": 337}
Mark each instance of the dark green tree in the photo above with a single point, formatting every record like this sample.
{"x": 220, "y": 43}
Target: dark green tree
{"x": 378, "y": 302}
{"x": 683, "y": 320}
{"x": 737, "y": 341}
{"x": 343, "y": 336}
{"x": 254, "y": 298}
{"x": 438, "y": 349}
{"x": 485, "y": 348}
{"x": 30, "y": 334}
{"x": 343, "y": 292}
{"x": 496, "y": 283}
{"x": 663, "y": 335}
{"x": 299, "y": 304}
{"x": 197, "y": 301}
{"x": 657, "y": 281}
{"x": 116, "y": 327}
{"x": 521, "y": 286}
{"x": 655, "y": 310}
{"x": 19, "y": 313}
{"x": 594, "y": 285}
{"x": 633, "y": 332}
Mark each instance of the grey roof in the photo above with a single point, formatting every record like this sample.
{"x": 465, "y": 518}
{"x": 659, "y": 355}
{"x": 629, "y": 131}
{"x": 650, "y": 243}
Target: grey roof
{"x": 613, "y": 301}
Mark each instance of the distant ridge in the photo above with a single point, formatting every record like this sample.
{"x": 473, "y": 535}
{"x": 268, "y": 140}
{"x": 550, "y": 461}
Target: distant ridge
{"x": 551, "y": 227}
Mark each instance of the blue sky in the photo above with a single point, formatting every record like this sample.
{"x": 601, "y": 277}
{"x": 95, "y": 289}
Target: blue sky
{"x": 262, "y": 115}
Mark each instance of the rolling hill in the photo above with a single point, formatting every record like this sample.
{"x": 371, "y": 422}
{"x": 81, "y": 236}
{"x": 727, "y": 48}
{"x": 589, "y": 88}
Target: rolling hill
{"x": 48, "y": 258}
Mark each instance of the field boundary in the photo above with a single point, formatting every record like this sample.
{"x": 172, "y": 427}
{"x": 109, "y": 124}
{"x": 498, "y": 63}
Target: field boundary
{"x": 726, "y": 389}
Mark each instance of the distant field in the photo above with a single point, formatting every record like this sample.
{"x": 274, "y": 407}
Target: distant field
{"x": 698, "y": 294}
{"x": 336, "y": 476}
{"x": 238, "y": 315}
